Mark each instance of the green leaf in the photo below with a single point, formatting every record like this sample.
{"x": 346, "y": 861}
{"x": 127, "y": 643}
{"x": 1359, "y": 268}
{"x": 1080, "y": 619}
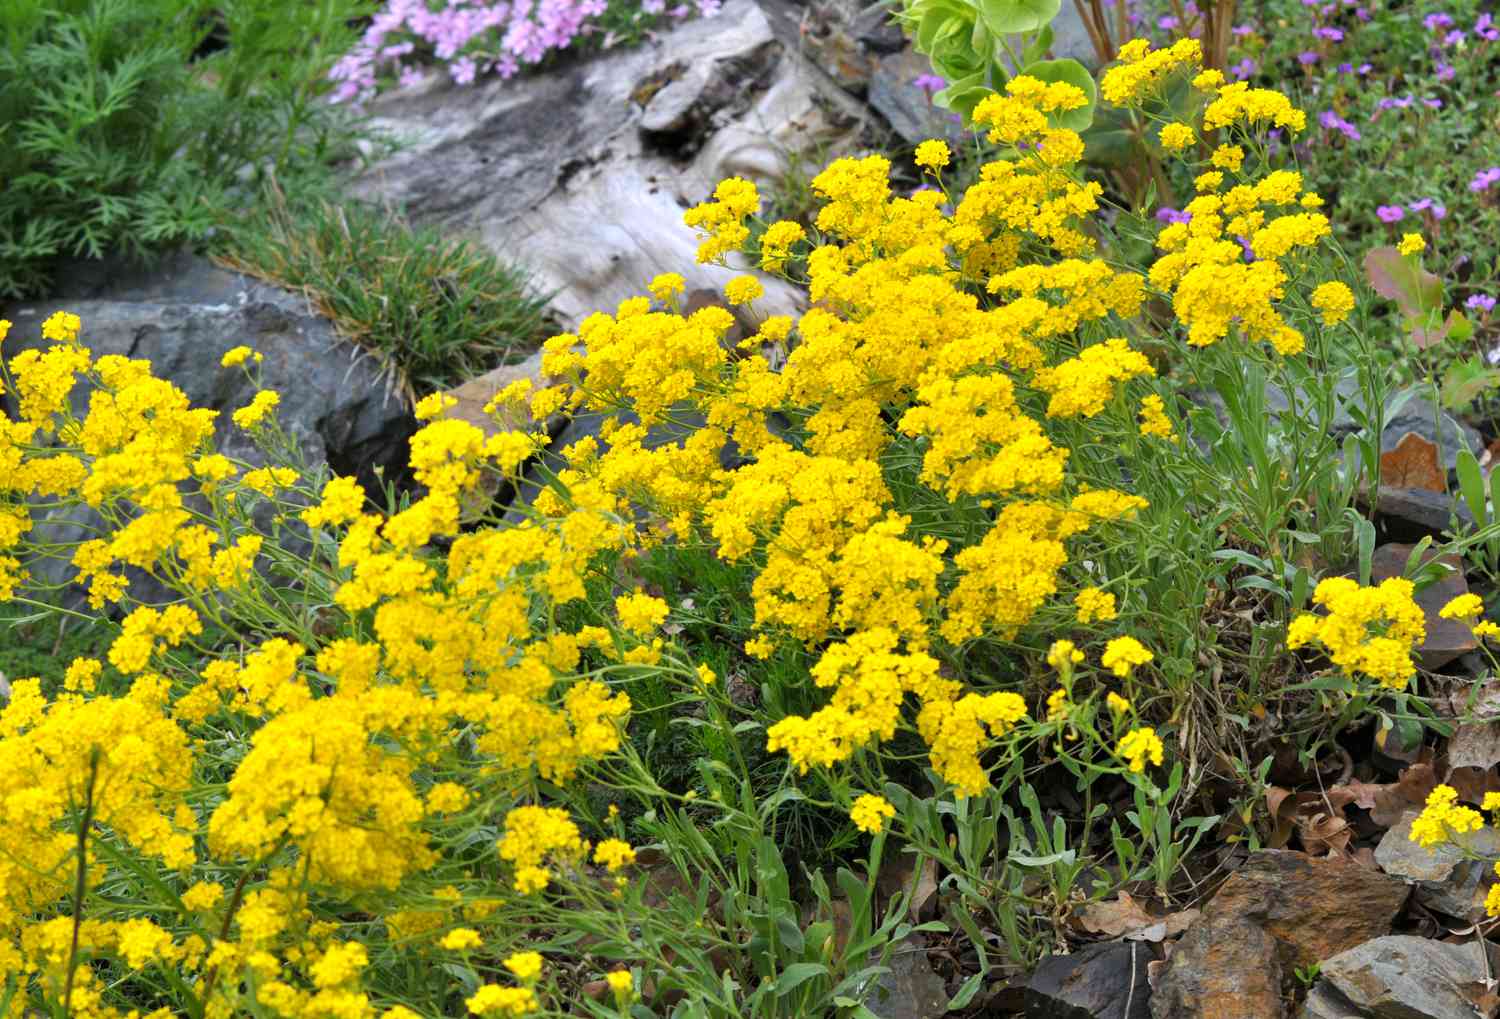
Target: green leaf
{"x": 1075, "y": 74}
{"x": 1007, "y": 17}
{"x": 966, "y": 992}
{"x": 797, "y": 974}
{"x": 1471, "y": 484}
{"x": 1038, "y": 47}
{"x": 962, "y": 95}
{"x": 1110, "y": 140}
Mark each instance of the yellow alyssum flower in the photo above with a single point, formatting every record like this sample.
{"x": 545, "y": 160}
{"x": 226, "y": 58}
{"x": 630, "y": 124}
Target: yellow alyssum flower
{"x": 743, "y": 290}
{"x": 1094, "y": 604}
{"x": 492, "y": 999}
{"x": 525, "y": 966}
{"x": 640, "y": 613}
{"x": 1369, "y": 631}
{"x": 1154, "y": 420}
{"x": 461, "y": 939}
{"x": 1334, "y": 300}
{"x": 1412, "y": 244}
{"x": 614, "y": 854}
{"x": 621, "y": 983}
{"x": 932, "y": 154}
{"x": 254, "y": 412}
{"x": 1465, "y": 606}
{"x": 237, "y": 356}
{"x": 870, "y": 812}
{"x": 1137, "y": 747}
{"x": 667, "y": 285}
{"x": 1176, "y": 136}
{"x": 1442, "y": 818}
{"x": 1117, "y": 704}
{"x": 1123, "y": 654}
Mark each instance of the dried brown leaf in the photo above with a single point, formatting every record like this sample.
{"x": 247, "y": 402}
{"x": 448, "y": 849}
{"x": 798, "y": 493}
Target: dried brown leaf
{"x": 1413, "y": 463}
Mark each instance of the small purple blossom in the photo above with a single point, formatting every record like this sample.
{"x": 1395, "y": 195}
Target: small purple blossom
{"x": 1167, "y": 214}
{"x": 1484, "y": 178}
{"x": 1346, "y": 68}
{"x": 1390, "y": 213}
{"x": 1433, "y": 104}
{"x": 1362, "y": 13}
{"x": 1445, "y": 72}
{"x": 1484, "y": 27}
{"x": 1454, "y": 37}
{"x": 1167, "y": 23}
{"x": 1435, "y": 22}
{"x": 1480, "y": 302}
{"x": 1328, "y": 33}
{"x": 1307, "y": 58}
{"x": 1333, "y": 122}
{"x": 929, "y": 83}
{"x": 1242, "y": 70}
{"x": 1240, "y": 31}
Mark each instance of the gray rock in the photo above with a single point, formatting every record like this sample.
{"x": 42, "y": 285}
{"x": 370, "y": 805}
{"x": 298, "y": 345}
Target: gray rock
{"x": 1410, "y": 514}
{"x": 1444, "y": 880}
{"x": 554, "y": 171}
{"x": 183, "y": 315}
{"x": 911, "y": 990}
{"x": 1400, "y": 977}
{"x": 1404, "y": 413}
{"x": 1101, "y": 981}
{"x": 908, "y": 109}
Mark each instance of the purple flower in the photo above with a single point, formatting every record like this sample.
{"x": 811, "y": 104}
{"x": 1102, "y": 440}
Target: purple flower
{"x": 1434, "y": 104}
{"x": 1437, "y": 21}
{"x": 1307, "y": 58}
{"x": 1329, "y": 33}
{"x": 1484, "y": 27}
{"x": 1390, "y": 213}
{"x": 1167, "y": 23}
{"x": 1480, "y": 302}
{"x": 1484, "y": 178}
{"x": 1362, "y": 13}
{"x": 1454, "y": 37}
{"x": 1246, "y": 248}
{"x": 1333, "y": 122}
{"x": 1365, "y": 68}
{"x": 1242, "y": 70}
{"x": 1346, "y": 68}
{"x": 1169, "y": 215}
{"x": 1445, "y": 72}
{"x": 929, "y": 83}
{"x": 1240, "y": 31}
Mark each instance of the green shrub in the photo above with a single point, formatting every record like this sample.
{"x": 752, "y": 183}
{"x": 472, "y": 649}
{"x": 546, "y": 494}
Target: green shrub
{"x": 128, "y": 125}
{"x": 436, "y": 311}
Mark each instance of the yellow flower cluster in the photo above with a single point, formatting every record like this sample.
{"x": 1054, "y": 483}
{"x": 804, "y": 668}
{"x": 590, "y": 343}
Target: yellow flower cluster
{"x": 889, "y": 472}
{"x": 1368, "y": 631}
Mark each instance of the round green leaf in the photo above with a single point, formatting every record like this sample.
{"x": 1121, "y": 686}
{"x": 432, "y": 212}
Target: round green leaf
{"x": 962, "y": 95}
{"x": 1074, "y": 73}
{"x": 1007, "y": 17}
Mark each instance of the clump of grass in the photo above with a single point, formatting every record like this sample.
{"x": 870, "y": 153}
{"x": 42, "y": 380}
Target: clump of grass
{"x": 436, "y": 311}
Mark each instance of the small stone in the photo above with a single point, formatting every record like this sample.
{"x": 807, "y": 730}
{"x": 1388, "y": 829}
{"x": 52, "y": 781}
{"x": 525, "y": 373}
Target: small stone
{"x": 1411, "y": 514}
{"x": 1224, "y": 967}
{"x": 1401, "y": 977}
{"x": 1445, "y": 882}
{"x": 669, "y": 110}
{"x": 911, "y": 990}
{"x": 1105, "y": 980}
{"x": 475, "y": 394}
{"x": 1314, "y": 907}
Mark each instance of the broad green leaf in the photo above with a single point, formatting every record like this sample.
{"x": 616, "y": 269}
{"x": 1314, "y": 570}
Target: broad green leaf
{"x": 962, "y": 95}
{"x": 1007, "y": 17}
{"x": 1075, "y": 74}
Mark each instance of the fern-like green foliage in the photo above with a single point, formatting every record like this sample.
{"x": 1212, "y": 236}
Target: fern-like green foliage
{"x": 128, "y": 126}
